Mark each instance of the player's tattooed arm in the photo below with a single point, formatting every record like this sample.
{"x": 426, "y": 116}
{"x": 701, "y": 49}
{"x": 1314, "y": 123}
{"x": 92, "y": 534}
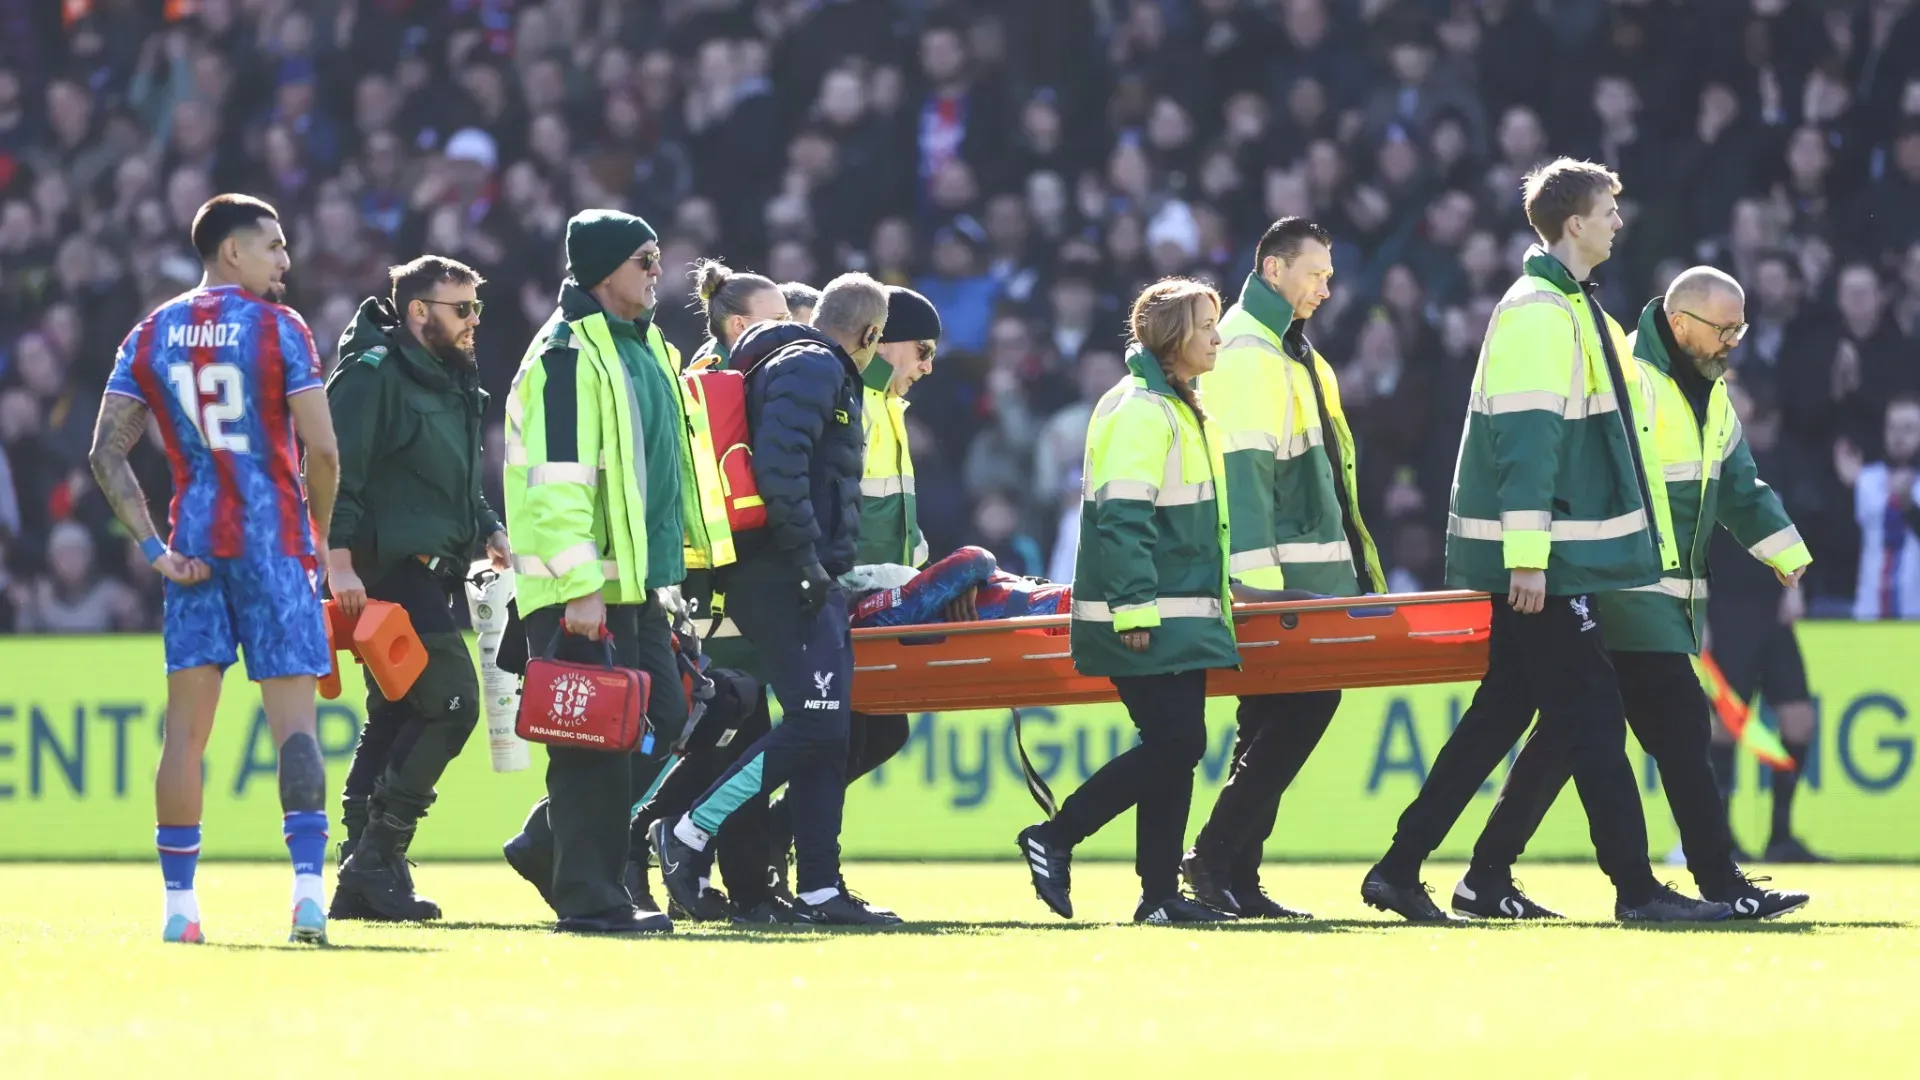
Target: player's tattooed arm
{"x": 122, "y": 421}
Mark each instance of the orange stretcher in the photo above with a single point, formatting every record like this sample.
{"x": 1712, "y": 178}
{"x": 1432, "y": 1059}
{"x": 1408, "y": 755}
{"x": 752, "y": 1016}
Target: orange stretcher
{"x": 1286, "y": 647}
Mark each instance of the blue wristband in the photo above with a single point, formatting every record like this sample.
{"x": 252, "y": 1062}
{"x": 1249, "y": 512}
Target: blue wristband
{"x": 152, "y": 547}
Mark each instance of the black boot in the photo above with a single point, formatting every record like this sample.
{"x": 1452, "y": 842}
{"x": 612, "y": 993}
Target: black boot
{"x": 380, "y": 877}
{"x": 347, "y": 903}
{"x": 353, "y": 819}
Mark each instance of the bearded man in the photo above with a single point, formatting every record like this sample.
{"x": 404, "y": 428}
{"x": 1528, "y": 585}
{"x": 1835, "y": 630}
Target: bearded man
{"x": 407, "y": 403}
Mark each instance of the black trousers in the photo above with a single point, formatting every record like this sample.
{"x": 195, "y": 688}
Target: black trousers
{"x": 1669, "y": 715}
{"x": 1277, "y": 733}
{"x": 871, "y": 742}
{"x": 743, "y": 839}
{"x": 1552, "y": 662}
{"x": 1154, "y": 777}
{"x": 809, "y": 661}
{"x": 406, "y": 745}
{"x": 591, "y": 793}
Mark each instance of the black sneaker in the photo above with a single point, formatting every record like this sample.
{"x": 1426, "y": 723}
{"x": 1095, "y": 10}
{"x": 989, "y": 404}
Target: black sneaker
{"x": 1051, "y": 867}
{"x": 1411, "y": 902}
{"x": 1501, "y": 901}
{"x": 1750, "y": 901}
{"x": 520, "y": 856}
{"x": 1666, "y": 905}
{"x": 1789, "y": 849}
{"x": 1179, "y": 909}
{"x": 1253, "y": 902}
{"x": 712, "y": 907}
{"x": 620, "y": 920}
{"x": 1208, "y": 882}
{"x": 772, "y": 911}
{"x": 841, "y": 909}
{"x": 861, "y": 901}
{"x": 681, "y": 866}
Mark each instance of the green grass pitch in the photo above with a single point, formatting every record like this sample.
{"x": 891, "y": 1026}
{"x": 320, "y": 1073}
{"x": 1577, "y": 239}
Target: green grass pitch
{"x": 982, "y": 982}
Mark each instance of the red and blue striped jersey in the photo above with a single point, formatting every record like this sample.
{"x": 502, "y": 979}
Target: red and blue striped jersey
{"x": 216, "y": 367}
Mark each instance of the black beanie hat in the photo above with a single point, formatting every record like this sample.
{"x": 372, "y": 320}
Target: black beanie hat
{"x": 910, "y": 317}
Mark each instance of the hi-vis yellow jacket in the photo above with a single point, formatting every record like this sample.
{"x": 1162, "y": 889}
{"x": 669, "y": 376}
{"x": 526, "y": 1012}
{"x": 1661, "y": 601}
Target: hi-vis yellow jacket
{"x": 1706, "y": 478}
{"x": 1551, "y": 473}
{"x": 889, "y": 511}
{"x": 1153, "y": 534}
{"x": 1277, "y": 399}
{"x": 575, "y": 480}
{"x": 574, "y": 534}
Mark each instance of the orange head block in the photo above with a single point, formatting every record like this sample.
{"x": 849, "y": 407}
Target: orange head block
{"x": 385, "y": 641}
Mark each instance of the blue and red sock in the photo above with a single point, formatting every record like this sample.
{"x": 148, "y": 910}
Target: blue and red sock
{"x": 179, "y": 847}
{"x": 306, "y": 833}
{"x": 179, "y": 854}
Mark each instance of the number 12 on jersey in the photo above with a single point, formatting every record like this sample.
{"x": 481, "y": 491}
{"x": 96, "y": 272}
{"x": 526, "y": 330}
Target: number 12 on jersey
{"x": 219, "y": 400}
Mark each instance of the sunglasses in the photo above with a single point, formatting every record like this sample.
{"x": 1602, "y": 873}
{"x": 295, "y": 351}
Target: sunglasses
{"x": 647, "y": 259}
{"x": 926, "y": 350}
{"x": 1729, "y": 334}
{"x": 462, "y": 309}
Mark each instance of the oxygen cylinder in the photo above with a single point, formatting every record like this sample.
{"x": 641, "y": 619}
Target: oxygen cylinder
{"x": 488, "y": 591}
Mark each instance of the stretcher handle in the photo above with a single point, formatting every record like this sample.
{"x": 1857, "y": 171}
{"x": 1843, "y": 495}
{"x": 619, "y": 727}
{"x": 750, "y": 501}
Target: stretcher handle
{"x": 1054, "y": 622}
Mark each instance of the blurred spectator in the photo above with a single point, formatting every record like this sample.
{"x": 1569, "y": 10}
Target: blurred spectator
{"x": 1886, "y": 500}
{"x": 959, "y": 287}
{"x": 1028, "y": 166}
{"x": 1419, "y": 92}
{"x": 72, "y": 598}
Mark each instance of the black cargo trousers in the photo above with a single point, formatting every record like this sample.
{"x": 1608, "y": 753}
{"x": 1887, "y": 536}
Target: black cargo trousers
{"x": 407, "y": 744}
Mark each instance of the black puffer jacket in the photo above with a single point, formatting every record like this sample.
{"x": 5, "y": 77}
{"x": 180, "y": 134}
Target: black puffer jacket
{"x": 803, "y": 410}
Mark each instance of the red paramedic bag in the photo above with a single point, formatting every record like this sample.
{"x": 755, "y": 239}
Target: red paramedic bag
{"x": 585, "y": 706}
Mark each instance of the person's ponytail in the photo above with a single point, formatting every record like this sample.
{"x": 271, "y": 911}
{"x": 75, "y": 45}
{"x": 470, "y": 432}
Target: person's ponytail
{"x": 1164, "y": 319}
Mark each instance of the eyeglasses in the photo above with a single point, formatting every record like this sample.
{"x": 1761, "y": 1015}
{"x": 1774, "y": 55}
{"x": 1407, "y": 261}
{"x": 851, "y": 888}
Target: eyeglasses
{"x": 926, "y": 350}
{"x": 1730, "y": 334}
{"x": 647, "y": 259}
{"x": 462, "y": 309}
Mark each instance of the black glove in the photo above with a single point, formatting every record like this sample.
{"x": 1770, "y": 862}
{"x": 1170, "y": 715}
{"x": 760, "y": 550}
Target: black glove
{"x": 814, "y": 583}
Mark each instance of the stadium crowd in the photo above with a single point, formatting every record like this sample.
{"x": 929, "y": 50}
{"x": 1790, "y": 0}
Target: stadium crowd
{"x": 1028, "y": 166}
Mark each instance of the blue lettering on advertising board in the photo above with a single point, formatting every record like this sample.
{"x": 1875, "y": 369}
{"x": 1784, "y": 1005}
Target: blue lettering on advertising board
{"x": 1900, "y": 745}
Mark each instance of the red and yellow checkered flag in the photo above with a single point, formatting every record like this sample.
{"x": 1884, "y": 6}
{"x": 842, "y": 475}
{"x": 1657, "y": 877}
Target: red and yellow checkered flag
{"x": 1760, "y": 740}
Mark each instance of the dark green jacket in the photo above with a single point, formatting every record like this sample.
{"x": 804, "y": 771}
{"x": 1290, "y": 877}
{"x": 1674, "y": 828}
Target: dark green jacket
{"x": 409, "y": 432}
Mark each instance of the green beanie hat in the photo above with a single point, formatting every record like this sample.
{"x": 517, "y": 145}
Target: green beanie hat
{"x": 598, "y": 241}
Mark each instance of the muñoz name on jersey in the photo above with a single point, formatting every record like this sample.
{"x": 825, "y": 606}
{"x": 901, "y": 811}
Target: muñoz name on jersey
{"x": 216, "y": 367}
{"x": 222, "y": 335}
